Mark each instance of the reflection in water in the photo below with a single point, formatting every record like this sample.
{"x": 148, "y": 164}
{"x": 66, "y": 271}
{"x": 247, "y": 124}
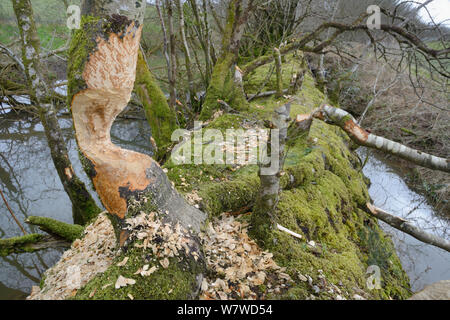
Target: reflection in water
{"x": 32, "y": 187}
{"x": 425, "y": 264}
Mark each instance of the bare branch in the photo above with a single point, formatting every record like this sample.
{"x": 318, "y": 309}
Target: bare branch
{"x": 407, "y": 227}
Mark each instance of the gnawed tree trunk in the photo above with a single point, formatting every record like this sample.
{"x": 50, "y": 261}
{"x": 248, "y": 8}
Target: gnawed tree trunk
{"x": 224, "y": 85}
{"x": 101, "y": 82}
{"x": 84, "y": 206}
{"x": 161, "y": 118}
{"x": 101, "y": 85}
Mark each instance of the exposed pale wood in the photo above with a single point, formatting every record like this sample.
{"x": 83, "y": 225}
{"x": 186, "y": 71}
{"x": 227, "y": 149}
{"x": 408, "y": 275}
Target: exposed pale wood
{"x": 292, "y": 233}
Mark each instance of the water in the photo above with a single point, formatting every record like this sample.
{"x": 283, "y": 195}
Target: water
{"x": 425, "y": 264}
{"x": 32, "y": 187}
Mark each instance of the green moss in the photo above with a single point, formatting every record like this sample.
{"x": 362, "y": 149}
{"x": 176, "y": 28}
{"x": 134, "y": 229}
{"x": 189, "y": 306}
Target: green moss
{"x": 18, "y": 244}
{"x": 230, "y": 196}
{"x": 70, "y": 232}
{"x": 86, "y": 208}
{"x": 42, "y": 282}
{"x": 255, "y": 80}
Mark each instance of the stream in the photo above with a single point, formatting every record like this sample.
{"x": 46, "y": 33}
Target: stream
{"x": 32, "y": 187}
{"x": 424, "y": 263}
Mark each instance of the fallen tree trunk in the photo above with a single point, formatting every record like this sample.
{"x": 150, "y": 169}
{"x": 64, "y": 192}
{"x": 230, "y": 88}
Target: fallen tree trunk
{"x": 360, "y": 136}
{"x": 409, "y": 228}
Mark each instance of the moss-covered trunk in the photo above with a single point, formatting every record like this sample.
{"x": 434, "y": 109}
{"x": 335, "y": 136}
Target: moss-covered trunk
{"x": 160, "y": 116}
{"x": 84, "y": 206}
{"x": 225, "y": 81}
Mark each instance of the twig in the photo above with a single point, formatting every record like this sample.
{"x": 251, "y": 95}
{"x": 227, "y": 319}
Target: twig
{"x": 12, "y": 214}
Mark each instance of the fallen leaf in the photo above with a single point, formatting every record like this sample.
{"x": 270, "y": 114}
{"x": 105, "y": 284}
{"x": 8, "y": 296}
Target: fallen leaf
{"x": 93, "y": 293}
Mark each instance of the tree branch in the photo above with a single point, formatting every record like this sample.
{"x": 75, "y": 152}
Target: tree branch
{"x": 68, "y": 232}
{"x": 407, "y": 227}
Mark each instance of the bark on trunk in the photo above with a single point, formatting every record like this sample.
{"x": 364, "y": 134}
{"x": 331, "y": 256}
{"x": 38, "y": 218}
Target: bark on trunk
{"x": 409, "y": 228}
{"x": 84, "y": 206}
{"x": 279, "y": 70}
{"x": 283, "y": 133}
{"x": 187, "y": 55}
{"x": 173, "y": 55}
